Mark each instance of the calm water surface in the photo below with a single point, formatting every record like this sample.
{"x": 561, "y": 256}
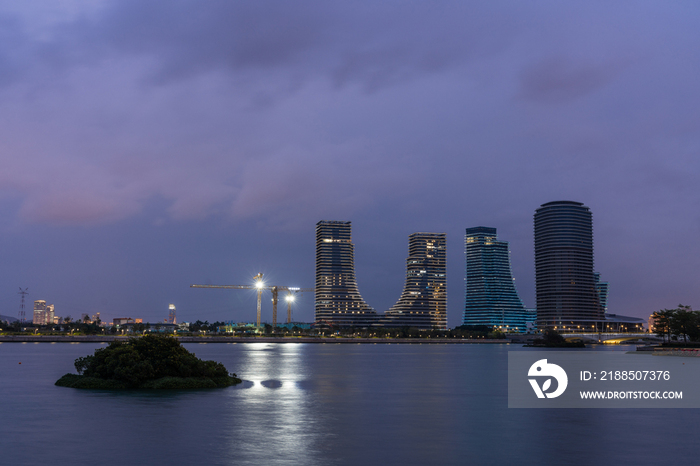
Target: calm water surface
{"x": 321, "y": 404}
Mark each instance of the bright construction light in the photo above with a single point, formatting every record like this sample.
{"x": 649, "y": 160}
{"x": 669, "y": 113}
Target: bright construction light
{"x": 259, "y": 284}
{"x": 290, "y": 297}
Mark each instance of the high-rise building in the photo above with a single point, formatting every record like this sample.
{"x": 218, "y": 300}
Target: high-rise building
{"x": 423, "y": 302}
{"x": 39, "y": 312}
{"x": 491, "y": 298}
{"x": 603, "y": 289}
{"x": 338, "y": 300}
{"x": 43, "y": 313}
{"x": 172, "y": 318}
{"x": 565, "y": 283}
{"x": 50, "y": 314}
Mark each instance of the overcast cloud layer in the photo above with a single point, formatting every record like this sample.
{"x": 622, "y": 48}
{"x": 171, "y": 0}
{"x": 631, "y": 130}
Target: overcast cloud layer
{"x": 149, "y": 145}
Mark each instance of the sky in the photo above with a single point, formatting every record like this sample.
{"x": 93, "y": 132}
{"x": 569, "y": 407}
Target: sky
{"x": 147, "y": 146}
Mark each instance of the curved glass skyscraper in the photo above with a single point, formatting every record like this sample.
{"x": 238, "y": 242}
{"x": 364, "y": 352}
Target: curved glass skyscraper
{"x": 423, "y": 302}
{"x": 491, "y": 298}
{"x": 338, "y": 301}
{"x": 565, "y": 283}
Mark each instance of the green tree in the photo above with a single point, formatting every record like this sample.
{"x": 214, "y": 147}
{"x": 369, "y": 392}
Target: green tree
{"x": 684, "y": 322}
{"x": 147, "y": 358}
{"x": 662, "y": 323}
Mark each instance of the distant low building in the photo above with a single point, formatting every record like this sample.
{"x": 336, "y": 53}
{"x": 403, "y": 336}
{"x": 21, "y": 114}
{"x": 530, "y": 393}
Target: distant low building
{"x": 652, "y": 323}
{"x": 148, "y": 327}
{"x": 291, "y": 325}
{"x": 122, "y": 321}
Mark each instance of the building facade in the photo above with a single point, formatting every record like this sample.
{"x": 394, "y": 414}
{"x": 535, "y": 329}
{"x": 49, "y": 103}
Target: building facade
{"x": 39, "y": 317}
{"x": 172, "y": 316}
{"x": 603, "y": 289}
{"x": 565, "y": 283}
{"x": 43, "y": 313}
{"x": 423, "y": 302}
{"x": 491, "y": 297}
{"x": 337, "y": 299}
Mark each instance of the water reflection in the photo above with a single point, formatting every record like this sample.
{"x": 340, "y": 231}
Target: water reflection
{"x": 277, "y": 412}
{"x": 320, "y": 405}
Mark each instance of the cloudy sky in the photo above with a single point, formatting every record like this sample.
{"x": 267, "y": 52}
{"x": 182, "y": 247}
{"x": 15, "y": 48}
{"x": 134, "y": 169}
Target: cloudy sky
{"x": 146, "y": 146}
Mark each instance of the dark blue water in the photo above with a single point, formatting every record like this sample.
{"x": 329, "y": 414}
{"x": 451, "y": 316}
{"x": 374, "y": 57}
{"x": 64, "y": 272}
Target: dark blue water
{"x": 319, "y": 404}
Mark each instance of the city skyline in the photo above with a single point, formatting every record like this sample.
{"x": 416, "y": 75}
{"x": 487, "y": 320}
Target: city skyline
{"x": 147, "y": 147}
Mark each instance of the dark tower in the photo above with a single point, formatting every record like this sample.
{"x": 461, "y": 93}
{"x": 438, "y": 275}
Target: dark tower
{"x": 565, "y": 284}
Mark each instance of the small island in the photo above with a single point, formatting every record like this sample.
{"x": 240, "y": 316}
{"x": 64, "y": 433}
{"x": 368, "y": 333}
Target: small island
{"x": 148, "y": 362}
{"x": 552, "y": 339}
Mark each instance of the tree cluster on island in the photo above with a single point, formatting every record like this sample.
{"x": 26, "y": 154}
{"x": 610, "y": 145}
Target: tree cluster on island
{"x": 680, "y": 323}
{"x": 148, "y": 362}
{"x": 552, "y": 339}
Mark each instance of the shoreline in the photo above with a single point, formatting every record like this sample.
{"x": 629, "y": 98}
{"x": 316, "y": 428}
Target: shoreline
{"x": 231, "y": 339}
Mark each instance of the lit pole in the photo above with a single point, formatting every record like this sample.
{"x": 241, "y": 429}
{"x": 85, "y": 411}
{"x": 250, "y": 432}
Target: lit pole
{"x": 259, "y": 285}
{"x": 290, "y": 300}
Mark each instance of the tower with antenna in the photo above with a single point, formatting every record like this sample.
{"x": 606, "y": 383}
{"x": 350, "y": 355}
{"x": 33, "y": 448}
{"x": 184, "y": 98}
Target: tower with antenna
{"x": 21, "y": 316}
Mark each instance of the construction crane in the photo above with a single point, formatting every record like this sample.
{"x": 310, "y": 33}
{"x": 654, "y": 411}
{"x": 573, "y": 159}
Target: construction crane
{"x": 260, "y": 286}
{"x": 291, "y": 292}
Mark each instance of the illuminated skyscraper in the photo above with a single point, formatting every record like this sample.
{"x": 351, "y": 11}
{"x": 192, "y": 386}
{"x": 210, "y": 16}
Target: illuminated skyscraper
{"x": 43, "y": 313}
{"x": 565, "y": 283}
{"x": 50, "y": 314}
{"x": 39, "y": 312}
{"x": 172, "y": 317}
{"x": 491, "y": 298}
{"x": 423, "y": 303}
{"x": 338, "y": 300}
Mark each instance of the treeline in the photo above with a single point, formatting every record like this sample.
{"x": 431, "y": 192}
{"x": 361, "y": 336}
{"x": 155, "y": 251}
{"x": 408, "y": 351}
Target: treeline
{"x": 206, "y": 326}
{"x": 681, "y": 322}
{"x": 67, "y": 327}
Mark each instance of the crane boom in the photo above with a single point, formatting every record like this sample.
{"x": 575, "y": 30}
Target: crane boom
{"x": 260, "y": 287}
{"x": 234, "y": 287}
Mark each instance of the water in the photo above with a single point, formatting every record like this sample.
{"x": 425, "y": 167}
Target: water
{"x": 320, "y": 404}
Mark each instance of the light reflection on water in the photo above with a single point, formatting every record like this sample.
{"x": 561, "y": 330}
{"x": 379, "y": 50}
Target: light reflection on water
{"x": 319, "y": 405}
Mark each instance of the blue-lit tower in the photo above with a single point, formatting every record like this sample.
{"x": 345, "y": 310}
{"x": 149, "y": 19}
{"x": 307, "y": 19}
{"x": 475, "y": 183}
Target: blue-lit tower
{"x": 603, "y": 289}
{"x": 491, "y": 298}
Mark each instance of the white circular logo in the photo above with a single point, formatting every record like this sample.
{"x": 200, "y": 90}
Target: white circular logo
{"x": 542, "y": 369}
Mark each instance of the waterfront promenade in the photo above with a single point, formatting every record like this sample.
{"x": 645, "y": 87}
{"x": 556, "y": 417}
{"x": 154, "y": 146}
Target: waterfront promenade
{"x": 249, "y": 339}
